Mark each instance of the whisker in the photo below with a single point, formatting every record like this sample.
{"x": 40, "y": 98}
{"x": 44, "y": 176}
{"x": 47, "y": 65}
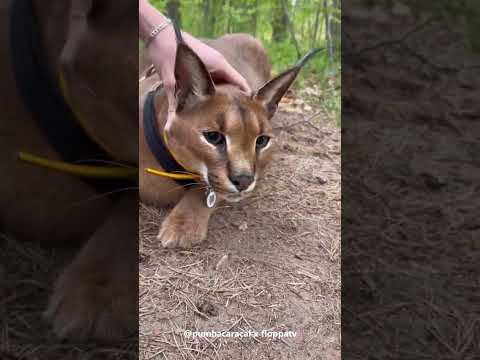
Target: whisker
{"x": 200, "y": 185}
{"x": 177, "y": 187}
{"x": 174, "y": 189}
{"x": 102, "y": 195}
{"x": 110, "y": 162}
{"x": 184, "y": 172}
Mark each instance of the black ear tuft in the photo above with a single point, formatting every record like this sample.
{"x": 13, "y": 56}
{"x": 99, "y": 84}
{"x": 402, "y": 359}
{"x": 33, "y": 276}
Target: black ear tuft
{"x": 301, "y": 63}
{"x": 270, "y": 94}
{"x": 178, "y": 32}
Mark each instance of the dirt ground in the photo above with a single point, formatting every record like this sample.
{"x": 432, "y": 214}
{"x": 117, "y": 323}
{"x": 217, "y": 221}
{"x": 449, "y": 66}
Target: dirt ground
{"x": 27, "y": 275}
{"x": 271, "y": 262}
{"x": 282, "y": 271}
{"x": 410, "y": 139}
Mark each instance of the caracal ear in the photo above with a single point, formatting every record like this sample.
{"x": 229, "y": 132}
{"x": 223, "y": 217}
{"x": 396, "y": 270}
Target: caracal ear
{"x": 193, "y": 81}
{"x": 270, "y": 94}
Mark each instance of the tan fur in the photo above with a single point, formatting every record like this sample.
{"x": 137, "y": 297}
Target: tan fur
{"x": 240, "y": 118}
{"x": 49, "y": 207}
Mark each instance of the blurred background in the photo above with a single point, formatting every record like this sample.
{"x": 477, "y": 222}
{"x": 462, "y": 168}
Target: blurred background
{"x": 287, "y": 28}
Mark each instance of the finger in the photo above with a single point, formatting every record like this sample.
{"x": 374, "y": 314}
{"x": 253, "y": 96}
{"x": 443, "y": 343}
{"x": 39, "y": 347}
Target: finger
{"x": 168, "y": 124}
{"x": 233, "y": 76}
{"x": 169, "y": 86}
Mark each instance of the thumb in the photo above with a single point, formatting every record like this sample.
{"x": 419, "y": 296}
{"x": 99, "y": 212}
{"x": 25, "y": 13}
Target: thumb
{"x": 169, "y": 86}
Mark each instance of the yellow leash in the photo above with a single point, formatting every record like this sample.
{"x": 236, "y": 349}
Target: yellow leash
{"x": 210, "y": 195}
{"x": 170, "y": 175}
{"x": 92, "y": 171}
{"x": 88, "y": 171}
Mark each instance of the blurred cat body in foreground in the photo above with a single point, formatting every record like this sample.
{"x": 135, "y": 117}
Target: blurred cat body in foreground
{"x": 95, "y": 296}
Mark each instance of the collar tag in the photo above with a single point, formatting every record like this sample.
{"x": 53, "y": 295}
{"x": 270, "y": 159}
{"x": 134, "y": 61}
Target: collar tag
{"x": 211, "y": 198}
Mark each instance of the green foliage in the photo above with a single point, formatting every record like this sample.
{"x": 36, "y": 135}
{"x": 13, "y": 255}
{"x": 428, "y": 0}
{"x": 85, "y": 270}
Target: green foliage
{"x": 281, "y": 54}
{"x": 159, "y": 4}
{"x": 302, "y": 24}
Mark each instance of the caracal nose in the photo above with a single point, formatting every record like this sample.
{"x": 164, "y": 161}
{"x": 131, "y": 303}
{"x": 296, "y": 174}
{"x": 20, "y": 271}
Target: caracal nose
{"x": 242, "y": 181}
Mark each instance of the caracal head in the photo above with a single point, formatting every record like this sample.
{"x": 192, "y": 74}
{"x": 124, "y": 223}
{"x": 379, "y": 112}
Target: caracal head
{"x": 224, "y": 134}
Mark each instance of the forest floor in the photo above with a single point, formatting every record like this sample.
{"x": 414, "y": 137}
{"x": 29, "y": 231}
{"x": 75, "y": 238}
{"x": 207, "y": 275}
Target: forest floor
{"x": 280, "y": 269}
{"x": 410, "y": 227}
{"x": 271, "y": 262}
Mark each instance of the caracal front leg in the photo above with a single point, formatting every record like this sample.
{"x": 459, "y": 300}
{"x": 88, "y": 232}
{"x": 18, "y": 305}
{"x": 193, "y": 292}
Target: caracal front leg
{"x": 96, "y": 297}
{"x": 187, "y": 224}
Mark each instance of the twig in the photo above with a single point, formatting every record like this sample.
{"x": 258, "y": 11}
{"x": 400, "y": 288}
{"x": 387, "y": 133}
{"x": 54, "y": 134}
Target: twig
{"x": 423, "y": 59}
{"x": 305, "y": 121}
{"x": 393, "y": 41}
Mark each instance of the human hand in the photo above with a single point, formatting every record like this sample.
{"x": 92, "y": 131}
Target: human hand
{"x": 162, "y": 51}
{"x": 218, "y": 67}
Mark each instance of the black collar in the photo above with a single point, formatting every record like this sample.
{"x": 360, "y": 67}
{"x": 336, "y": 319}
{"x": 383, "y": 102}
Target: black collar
{"x": 40, "y": 91}
{"x": 156, "y": 143}
{"x": 42, "y": 96}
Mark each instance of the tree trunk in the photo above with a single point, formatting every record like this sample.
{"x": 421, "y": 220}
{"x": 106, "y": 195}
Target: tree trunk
{"x": 328, "y": 38}
{"x": 315, "y": 26}
{"x": 335, "y": 29}
{"x": 207, "y": 23}
{"x": 244, "y": 23}
{"x": 290, "y": 28}
{"x": 217, "y": 14}
{"x": 227, "y": 23}
{"x": 255, "y": 19}
{"x": 279, "y": 22}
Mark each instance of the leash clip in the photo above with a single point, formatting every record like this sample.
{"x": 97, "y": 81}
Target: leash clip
{"x": 211, "y": 198}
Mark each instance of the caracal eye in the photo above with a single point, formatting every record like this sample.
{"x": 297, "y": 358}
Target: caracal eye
{"x": 214, "y": 137}
{"x": 262, "y": 141}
